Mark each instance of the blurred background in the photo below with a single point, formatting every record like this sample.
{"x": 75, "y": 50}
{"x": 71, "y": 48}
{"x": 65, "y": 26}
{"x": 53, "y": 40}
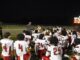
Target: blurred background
{"x": 38, "y": 12}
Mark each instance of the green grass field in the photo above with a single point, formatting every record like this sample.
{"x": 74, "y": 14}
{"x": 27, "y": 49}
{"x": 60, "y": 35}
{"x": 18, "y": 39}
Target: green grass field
{"x": 15, "y": 29}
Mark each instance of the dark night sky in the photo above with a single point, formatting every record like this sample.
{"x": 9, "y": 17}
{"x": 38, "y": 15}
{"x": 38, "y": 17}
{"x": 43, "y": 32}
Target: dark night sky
{"x": 44, "y": 11}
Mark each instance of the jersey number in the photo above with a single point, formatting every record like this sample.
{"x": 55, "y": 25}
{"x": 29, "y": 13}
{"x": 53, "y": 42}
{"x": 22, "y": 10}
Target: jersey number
{"x": 40, "y": 45}
{"x": 5, "y": 48}
{"x": 57, "y": 51}
{"x": 20, "y": 47}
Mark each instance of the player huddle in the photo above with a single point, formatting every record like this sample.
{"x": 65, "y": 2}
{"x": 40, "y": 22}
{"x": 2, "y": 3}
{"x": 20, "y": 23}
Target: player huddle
{"x": 48, "y": 44}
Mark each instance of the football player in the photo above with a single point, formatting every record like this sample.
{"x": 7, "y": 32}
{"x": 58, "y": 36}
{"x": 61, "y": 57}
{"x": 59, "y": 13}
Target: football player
{"x": 7, "y": 46}
{"x": 76, "y": 50}
{"x": 40, "y": 44}
{"x": 21, "y": 48}
{"x": 54, "y": 49}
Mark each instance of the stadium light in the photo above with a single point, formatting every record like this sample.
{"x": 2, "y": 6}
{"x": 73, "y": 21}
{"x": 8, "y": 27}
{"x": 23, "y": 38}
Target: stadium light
{"x": 77, "y": 20}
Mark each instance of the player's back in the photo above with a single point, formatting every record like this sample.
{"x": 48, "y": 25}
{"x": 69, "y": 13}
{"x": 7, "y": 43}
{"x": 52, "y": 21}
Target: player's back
{"x": 20, "y": 47}
{"x": 63, "y": 40}
{"x": 55, "y": 52}
{"x": 46, "y": 37}
{"x": 35, "y": 35}
{"x": 40, "y": 44}
{"x": 6, "y": 45}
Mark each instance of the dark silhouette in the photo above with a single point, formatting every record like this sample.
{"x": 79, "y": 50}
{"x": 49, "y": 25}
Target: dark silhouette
{"x": 29, "y": 27}
{"x": 1, "y": 35}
